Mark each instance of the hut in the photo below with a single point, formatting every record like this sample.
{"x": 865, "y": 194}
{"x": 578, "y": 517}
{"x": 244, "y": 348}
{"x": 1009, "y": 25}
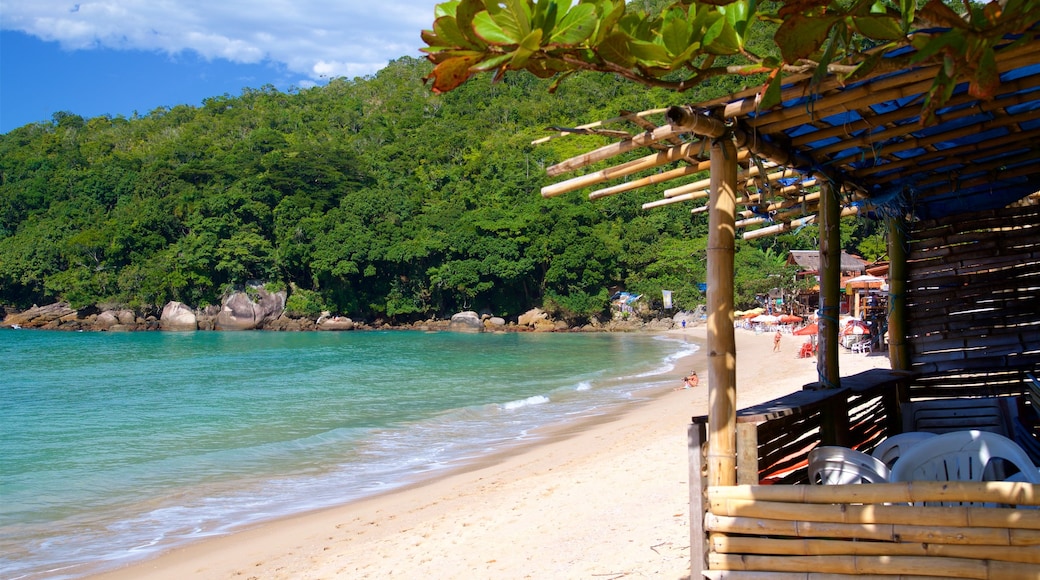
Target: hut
{"x": 958, "y": 195}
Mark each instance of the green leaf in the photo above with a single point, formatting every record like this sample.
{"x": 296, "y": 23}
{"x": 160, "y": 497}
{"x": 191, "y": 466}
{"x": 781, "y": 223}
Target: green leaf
{"x": 445, "y": 8}
{"x": 614, "y": 48}
{"x": 577, "y": 25}
{"x": 675, "y": 34}
{"x": 530, "y": 44}
{"x": 464, "y": 15}
{"x": 447, "y": 31}
{"x": 512, "y": 16}
{"x": 878, "y": 27}
{"x": 490, "y": 31}
{"x": 492, "y": 63}
{"x": 771, "y": 96}
{"x": 800, "y": 36}
{"x": 987, "y": 78}
{"x": 649, "y": 54}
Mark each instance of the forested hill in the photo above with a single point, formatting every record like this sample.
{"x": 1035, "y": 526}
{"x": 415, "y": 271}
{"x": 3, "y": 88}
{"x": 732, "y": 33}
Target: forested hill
{"x": 371, "y": 197}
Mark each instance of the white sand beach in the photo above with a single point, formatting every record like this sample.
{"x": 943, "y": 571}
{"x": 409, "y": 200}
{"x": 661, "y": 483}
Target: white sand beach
{"x": 607, "y": 499}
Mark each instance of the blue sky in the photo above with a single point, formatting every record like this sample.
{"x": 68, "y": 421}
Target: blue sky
{"x": 118, "y": 57}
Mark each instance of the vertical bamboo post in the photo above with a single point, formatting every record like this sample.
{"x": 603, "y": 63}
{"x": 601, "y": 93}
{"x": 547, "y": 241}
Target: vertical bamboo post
{"x": 830, "y": 280}
{"x": 747, "y": 454}
{"x": 698, "y": 500}
{"x": 898, "y": 354}
{"x": 722, "y": 351}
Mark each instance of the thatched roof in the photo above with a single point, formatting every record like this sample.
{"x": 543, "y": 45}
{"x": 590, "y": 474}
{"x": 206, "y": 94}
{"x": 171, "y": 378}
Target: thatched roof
{"x": 809, "y": 261}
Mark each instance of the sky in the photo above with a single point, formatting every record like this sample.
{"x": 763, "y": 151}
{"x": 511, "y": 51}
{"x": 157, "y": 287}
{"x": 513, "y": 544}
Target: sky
{"x": 121, "y": 57}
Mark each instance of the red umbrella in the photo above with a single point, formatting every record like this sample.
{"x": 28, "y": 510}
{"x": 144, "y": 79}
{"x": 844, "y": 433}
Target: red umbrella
{"x": 789, "y": 319}
{"x": 812, "y": 329}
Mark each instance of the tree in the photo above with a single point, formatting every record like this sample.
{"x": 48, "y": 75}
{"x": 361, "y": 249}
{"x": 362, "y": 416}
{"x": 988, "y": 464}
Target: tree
{"x": 687, "y": 44}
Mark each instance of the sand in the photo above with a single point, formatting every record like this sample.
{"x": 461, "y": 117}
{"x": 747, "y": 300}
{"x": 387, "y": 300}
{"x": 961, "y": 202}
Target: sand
{"x": 607, "y": 499}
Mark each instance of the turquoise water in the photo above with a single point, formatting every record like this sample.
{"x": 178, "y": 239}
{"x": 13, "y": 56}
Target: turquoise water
{"x": 114, "y": 446}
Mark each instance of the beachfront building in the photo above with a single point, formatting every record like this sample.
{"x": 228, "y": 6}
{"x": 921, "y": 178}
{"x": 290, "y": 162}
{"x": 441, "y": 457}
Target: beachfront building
{"x": 790, "y": 488}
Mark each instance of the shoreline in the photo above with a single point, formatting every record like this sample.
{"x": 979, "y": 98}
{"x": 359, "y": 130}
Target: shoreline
{"x": 607, "y": 495}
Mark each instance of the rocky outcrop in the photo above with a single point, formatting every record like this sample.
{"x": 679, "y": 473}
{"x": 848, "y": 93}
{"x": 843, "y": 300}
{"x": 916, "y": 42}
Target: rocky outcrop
{"x": 467, "y": 321}
{"x": 239, "y": 311}
{"x": 178, "y": 316}
{"x": 49, "y": 316}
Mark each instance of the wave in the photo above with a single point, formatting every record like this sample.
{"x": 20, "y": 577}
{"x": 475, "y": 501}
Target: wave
{"x": 535, "y": 400}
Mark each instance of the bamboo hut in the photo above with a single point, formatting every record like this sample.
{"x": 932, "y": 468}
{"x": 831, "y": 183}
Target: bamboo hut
{"x": 958, "y": 194}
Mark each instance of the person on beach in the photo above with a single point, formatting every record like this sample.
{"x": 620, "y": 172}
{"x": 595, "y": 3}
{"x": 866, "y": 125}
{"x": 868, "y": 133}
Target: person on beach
{"x": 690, "y": 381}
{"x": 776, "y": 342}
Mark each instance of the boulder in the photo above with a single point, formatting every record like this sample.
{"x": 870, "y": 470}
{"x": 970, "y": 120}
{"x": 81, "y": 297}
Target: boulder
{"x": 126, "y": 317}
{"x": 495, "y": 323}
{"x": 336, "y": 323}
{"x": 239, "y": 311}
{"x": 177, "y": 316}
{"x": 531, "y": 317}
{"x": 106, "y": 320}
{"x": 467, "y": 321}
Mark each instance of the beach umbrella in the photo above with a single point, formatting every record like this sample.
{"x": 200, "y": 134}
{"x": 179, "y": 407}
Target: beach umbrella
{"x": 864, "y": 281}
{"x": 789, "y": 319}
{"x": 812, "y": 329}
{"x": 765, "y": 319}
{"x": 855, "y": 326}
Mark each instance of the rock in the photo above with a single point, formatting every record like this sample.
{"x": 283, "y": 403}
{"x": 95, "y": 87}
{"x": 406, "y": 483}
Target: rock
{"x": 467, "y": 321}
{"x": 336, "y": 323}
{"x": 240, "y": 312}
{"x": 177, "y": 316}
{"x": 106, "y": 320}
{"x": 495, "y": 323}
{"x": 49, "y": 316}
{"x": 127, "y": 317}
{"x": 544, "y": 325}
{"x": 531, "y": 317}
{"x": 237, "y": 313}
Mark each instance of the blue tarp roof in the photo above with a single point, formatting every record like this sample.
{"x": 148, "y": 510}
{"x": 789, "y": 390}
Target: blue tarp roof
{"x": 977, "y": 155}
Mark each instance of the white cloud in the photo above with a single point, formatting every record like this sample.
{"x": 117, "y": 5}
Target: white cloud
{"x": 313, "y": 38}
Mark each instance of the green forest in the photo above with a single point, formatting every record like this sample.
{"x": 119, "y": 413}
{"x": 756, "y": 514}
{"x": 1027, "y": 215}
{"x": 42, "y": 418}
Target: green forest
{"x": 373, "y": 198}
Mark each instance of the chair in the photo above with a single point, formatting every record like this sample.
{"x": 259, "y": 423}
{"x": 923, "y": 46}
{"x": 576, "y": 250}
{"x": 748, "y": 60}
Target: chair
{"x": 831, "y": 465}
{"x": 892, "y": 448}
{"x": 964, "y": 456}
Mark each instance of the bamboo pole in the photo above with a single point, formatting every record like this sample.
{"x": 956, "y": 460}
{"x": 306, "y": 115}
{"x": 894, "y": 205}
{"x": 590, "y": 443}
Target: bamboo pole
{"x": 649, "y": 180}
{"x": 625, "y": 117}
{"x": 698, "y": 478}
{"x": 614, "y": 149}
{"x": 1007, "y": 492}
{"x": 669, "y": 201}
{"x": 952, "y": 516}
{"x": 952, "y": 535}
{"x": 793, "y": 224}
{"x": 751, "y": 172}
{"x": 894, "y": 565}
{"x": 721, "y": 345}
{"x": 898, "y": 351}
{"x": 725, "y": 544}
{"x": 628, "y": 168}
{"x": 830, "y": 278}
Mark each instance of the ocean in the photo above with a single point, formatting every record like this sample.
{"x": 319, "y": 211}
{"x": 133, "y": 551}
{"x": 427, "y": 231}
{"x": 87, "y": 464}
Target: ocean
{"x": 115, "y": 446}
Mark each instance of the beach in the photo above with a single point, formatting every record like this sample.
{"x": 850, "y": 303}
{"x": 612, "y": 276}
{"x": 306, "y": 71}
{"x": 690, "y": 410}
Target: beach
{"x": 605, "y": 498}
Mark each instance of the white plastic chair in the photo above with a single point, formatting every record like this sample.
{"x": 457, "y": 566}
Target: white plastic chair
{"x": 895, "y": 446}
{"x": 964, "y": 456}
{"x": 831, "y": 465}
